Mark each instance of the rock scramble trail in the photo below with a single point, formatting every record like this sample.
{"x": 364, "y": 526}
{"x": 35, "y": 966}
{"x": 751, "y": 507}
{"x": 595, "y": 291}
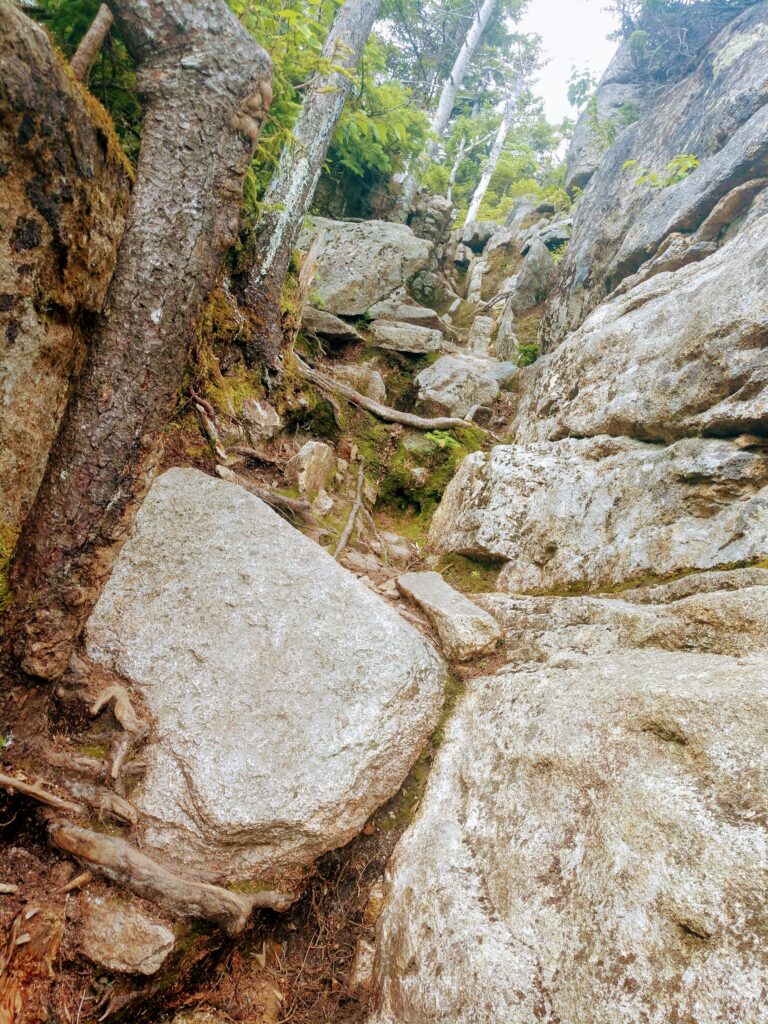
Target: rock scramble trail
{"x": 430, "y": 685}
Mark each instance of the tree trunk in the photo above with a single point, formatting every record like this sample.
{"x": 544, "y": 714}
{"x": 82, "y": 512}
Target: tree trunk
{"x": 91, "y": 43}
{"x": 206, "y": 84}
{"x": 498, "y": 145}
{"x": 293, "y": 184}
{"x": 409, "y": 180}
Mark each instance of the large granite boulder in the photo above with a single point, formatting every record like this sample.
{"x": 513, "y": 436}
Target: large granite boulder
{"x": 281, "y": 718}
{"x": 619, "y": 94}
{"x": 682, "y": 353}
{"x": 63, "y": 205}
{"x": 592, "y": 513}
{"x": 591, "y": 846}
{"x": 716, "y": 113}
{"x": 360, "y": 263}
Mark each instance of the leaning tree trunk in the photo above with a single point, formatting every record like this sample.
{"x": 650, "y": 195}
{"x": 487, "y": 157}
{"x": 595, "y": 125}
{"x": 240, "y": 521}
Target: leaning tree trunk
{"x": 206, "y": 86}
{"x": 498, "y": 145}
{"x": 408, "y": 180}
{"x": 91, "y": 43}
{"x": 293, "y": 184}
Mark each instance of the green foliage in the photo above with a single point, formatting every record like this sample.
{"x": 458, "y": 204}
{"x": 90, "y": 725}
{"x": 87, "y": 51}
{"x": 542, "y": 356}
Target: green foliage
{"x": 112, "y": 79}
{"x": 677, "y": 170}
{"x": 527, "y": 354}
{"x": 560, "y": 252}
{"x": 606, "y": 130}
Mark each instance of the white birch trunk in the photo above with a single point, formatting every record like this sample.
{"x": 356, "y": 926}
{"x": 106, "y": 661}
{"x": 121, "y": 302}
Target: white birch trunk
{"x": 293, "y": 184}
{"x": 409, "y": 179}
{"x": 496, "y": 150}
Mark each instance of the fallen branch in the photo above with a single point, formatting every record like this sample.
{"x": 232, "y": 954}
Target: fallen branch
{"x": 121, "y": 862}
{"x": 382, "y": 412}
{"x": 91, "y": 43}
{"x": 42, "y": 796}
{"x": 350, "y": 524}
{"x": 277, "y": 501}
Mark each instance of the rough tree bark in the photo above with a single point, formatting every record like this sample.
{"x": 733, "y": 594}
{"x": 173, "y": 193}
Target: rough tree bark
{"x": 510, "y": 106}
{"x": 206, "y": 86}
{"x": 293, "y": 184}
{"x": 91, "y": 43}
{"x": 408, "y": 180}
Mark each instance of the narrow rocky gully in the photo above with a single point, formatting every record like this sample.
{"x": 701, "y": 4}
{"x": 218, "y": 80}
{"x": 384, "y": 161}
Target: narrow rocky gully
{"x": 440, "y": 645}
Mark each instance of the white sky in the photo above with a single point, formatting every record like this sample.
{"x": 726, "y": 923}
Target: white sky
{"x": 574, "y": 32}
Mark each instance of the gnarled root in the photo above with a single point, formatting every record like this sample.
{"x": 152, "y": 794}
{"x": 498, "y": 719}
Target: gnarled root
{"x": 123, "y": 863}
{"x": 112, "y": 690}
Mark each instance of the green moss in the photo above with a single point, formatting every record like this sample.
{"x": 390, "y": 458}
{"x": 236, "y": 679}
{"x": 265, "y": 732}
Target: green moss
{"x": 250, "y": 887}
{"x": 8, "y": 535}
{"x": 648, "y": 579}
{"x": 470, "y": 575}
{"x": 400, "y": 811}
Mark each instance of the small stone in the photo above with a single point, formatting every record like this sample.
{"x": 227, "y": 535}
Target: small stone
{"x": 322, "y": 505}
{"x": 465, "y": 630}
{"x": 402, "y": 337}
{"x": 120, "y": 938}
{"x": 311, "y": 467}
{"x": 363, "y": 378}
{"x": 318, "y": 321}
{"x": 262, "y": 420}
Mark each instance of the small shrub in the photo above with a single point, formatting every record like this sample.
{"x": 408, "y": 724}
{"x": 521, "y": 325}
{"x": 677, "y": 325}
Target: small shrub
{"x": 677, "y": 170}
{"x": 527, "y": 354}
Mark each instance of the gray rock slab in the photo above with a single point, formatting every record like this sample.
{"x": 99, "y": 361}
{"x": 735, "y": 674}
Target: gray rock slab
{"x": 360, "y": 263}
{"x": 281, "y": 718}
{"x": 119, "y": 937}
{"x": 404, "y": 337}
{"x": 465, "y": 630}
{"x": 591, "y": 846}
{"x": 598, "y": 512}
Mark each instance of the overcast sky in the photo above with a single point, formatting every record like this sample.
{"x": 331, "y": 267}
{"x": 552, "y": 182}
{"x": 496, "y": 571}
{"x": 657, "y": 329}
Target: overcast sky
{"x": 574, "y": 32}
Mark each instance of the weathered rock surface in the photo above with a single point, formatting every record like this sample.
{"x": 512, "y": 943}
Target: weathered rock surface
{"x": 399, "y": 306}
{"x": 703, "y": 114}
{"x": 320, "y": 321}
{"x": 479, "y": 340}
{"x": 465, "y": 631}
{"x": 262, "y": 420}
{"x": 534, "y": 279}
{"x": 117, "y": 936}
{"x": 63, "y": 203}
{"x": 679, "y": 354}
{"x": 364, "y": 378}
{"x": 361, "y": 263}
{"x": 403, "y": 337}
{"x": 597, "y": 512}
{"x": 617, "y": 92}
{"x": 591, "y": 847}
{"x": 312, "y": 467}
{"x": 455, "y": 384}
{"x": 281, "y": 718}
{"x": 732, "y": 620}
{"x": 476, "y": 234}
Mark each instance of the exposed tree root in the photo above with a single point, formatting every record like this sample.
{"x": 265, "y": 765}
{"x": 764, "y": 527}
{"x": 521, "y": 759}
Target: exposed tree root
{"x": 123, "y": 863}
{"x": 350, "y": 523}
{"x": 296, "y": 506}
{"x": 382, "y": 412}
{"x": 42, "y": 796}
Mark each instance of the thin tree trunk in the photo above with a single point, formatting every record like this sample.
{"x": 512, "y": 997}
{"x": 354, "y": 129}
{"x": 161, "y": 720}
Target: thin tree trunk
{"x": 91, "y": 43}
{"x": 498, "y": 145}
{"x": 461, "y": 152}
{"x": 293, "y": 184}
{"x": 409, "y": 180}
{"x": 206, "y": 86}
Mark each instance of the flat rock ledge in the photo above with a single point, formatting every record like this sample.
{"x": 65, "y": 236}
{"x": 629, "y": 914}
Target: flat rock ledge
{"x": 281, "y": 718}
{"x": 465, "y": 631}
